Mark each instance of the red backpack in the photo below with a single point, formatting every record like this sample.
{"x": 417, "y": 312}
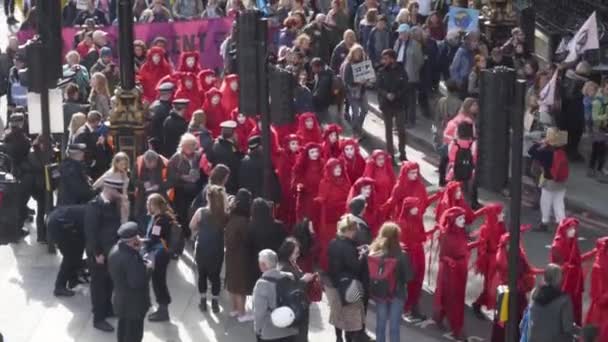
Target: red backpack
{"x": 559, "y": 168}
{"x": 383, "y": 277}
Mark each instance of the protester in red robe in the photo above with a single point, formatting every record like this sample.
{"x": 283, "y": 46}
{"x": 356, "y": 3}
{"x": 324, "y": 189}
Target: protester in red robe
{"x": 452, "y": 197}
{"x": 189, "y": 61}
{"x": 598, "y": 310}
{"x": 309, "y": 129}
{"x": 188, "y": 89}
{"x": 453, "y": 270}
{"x": 565, "y": 252}
{"x": 333, "y": 192}
{"x": 274, "y": 140}
{"x": 214, "y": 111}
{"x": 366, "y": 187}
{"x": 206, "y": 80}
{"x": 409, "y": 184}
{"x": 307, "y": 172}
{"x": 152, "y": 71}
{"x": 230, "y": 93}
{"x": 287, "y": 160}
{"x": 286, "y": 129}
{"x": 242, "y": 132}
{"x": 413, "y": 237}
{"x": 379, "y": 167}
{"x": 489, "y": 233}
{"x": 352, "y": 159}
{"x": 331, "y": 141}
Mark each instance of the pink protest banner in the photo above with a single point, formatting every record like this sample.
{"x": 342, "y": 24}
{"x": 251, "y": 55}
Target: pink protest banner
{"x": 204, "y": 36}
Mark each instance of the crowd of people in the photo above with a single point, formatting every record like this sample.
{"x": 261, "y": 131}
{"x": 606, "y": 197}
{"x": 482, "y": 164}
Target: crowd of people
{"x": 330, "y": 221}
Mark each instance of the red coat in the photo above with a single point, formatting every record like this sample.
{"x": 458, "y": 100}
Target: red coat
{"x": 356, "y": 164}
{"x": 333, "y": 192}
{"x": 242, "y": 130}
{"x": 371, "y": 211}
{"x": 406, "y": 188}
{"x": 306, "y": 135}
{"x": 285, "y": 165}
{"x": 331, "y": 150}
{"x": 448, "y": 200}
{"x": 193, "y": 94}
{"x": 230, "y": 98}
{"x": 150, "y": 74}
{"x": 183, "y": 66}
{"x": 565, "y": 252}
{"x": 383, "y": 175}
{"x": 202, "y": 83}
{"x": 283, "y": 131}
{"x": 215, "y": 113}
{"x": 305, "y": 181}
{"x": 598, "y": 310}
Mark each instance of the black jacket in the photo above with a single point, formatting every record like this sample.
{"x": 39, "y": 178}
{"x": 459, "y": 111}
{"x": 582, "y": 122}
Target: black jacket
{"x": 159, "y": 111}
{"x": 173, "y": 129}
{"x": 322, "y": 92}
{"x": 251, "y": 177}
{"x": 130, "y": 278}
{"x": 97, "y": 157}
{"x": 391, "y": 79}
{"x": 210, "y": 242}
{"x": 225, "y": 152}
{"x": 74, "y": 184}
{"x": 101, "y": 223}
{"x": 66, "y": 220}
{"x": 343, "y": 260}
{"x": 17, "y": 145}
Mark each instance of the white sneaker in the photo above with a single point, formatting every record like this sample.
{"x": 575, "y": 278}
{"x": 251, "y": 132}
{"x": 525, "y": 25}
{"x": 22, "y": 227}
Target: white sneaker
{"x": 248, "y": 317}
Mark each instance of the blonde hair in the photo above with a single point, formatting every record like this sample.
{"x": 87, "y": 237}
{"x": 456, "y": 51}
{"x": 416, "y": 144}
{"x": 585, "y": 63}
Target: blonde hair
{"x": 199, "y": 118}
{"x": 387, "y": 241}
{"x": 403, "y": 16}
{"x": 351, "y": 53}
{"x": 346, "y": 224}
{"x": 588, "y": 86}
{"x": 187, "y": 138}
{"x": 161, "y": 203}
{"x": 118, "y": 158}
{"x": 300, "y": 40}
{"x": 72, "y": 54}
{"x": 99, "y": 85}
{"x": 349, "y": 32}
{"x": 77, "y": 121}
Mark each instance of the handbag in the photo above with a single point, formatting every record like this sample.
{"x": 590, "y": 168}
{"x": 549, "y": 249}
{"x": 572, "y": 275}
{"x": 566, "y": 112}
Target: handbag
{"x": 314, "y": 291}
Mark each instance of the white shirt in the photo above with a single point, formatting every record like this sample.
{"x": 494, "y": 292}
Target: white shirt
{"x": 424, "y": 7}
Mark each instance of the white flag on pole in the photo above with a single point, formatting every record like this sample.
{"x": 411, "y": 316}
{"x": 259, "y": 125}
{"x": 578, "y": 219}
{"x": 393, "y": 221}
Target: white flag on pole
{"x": 546, "y": 97}
{"x": 585, "y": 39}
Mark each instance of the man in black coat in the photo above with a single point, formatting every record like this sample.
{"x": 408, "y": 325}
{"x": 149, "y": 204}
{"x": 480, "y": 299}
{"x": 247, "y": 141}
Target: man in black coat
{"x": 102, "y": 220}
{"x": 224, "y": 151}
{"x": 98, "y": 153}
{"x": 174, "y": 127}
{"x": 74, "y": 183}
{"x": 322, "y": 88}
{"x": 130, "y": 273}
{"x": 66, "y": 228}
{"x": 391, "y": 82}
{"x": 160, "y": 109}
{"x": 251, "y": 173}
{"x": 17, "y": 145}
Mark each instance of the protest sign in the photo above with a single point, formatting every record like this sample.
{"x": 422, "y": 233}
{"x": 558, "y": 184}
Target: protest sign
{"x": 463, "y": 19}
{"x": 363, "y": 72}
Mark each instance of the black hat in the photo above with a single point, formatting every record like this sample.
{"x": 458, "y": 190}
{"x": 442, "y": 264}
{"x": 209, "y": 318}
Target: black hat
{"x": 128, "y": 231}
{"x": 166, "y": 87}
{"x": 254, "y": 142}
{"x": 77, "y": 147}
{"x": 181, "y": 102}
{"x": 113, "y": 183}
{"x": 357, "y": 205}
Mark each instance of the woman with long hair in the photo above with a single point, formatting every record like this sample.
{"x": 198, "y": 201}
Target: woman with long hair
{"x": 100, "y": 98}
{"x": 207, "y": 227}
{"x": 198, "y": 127}
{"x": 475, "y": 76}
{"x": 158, "y": 235}
{"x": 355, "y": 91}
{"x": 119, "y": 169}
{"x": 78, "y": 120}
{"x": 265, "y": 231}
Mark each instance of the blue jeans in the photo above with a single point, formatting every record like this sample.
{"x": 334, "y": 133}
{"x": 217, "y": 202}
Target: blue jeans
{"x": 388, "y": 311}
{"x": 358, "y": 110}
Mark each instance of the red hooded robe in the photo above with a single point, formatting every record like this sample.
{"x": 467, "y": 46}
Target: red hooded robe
{"x": 331, "y": 150}
{"x": 383, "y": 175}
{"x": 309, "y": 135}
{"x": 285, "y": 164}
{"x": 202, "y": 83}
{"x": 406, "y": 188}
{"x": 354, "y": 165}
{"x": 305, "y": 181}
{"x": 150, "y": 74}
{"x": 598, "y": 310}
{"x": 215, "y": 113}
{"x": 371, "y": 210}
{"x": 230, "y": 98}
{"x": 333, "y": 192}
{"x": 448, "y": 200}
{"x": 184, "y": 68}
{"x": 193, "y": 94}
{"x": 274, "y": 141}
{"x": 565, "y": 252}
{"x": 242, "y": 131}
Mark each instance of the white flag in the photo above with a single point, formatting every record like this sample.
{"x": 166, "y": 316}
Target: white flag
{"x": 546, "y": 97}
{"x": 585, "y": 39}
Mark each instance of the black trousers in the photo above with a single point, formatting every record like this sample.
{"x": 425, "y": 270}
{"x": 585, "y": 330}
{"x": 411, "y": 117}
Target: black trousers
{"x": 410, "y": 103}
{"x": 182, "y": 202}
{"x": 598, "y": 155}
{"x": 213, "y": 276}
{"x": 71, "y": 247}
{"x": 130, "y": 330}
{"x": 159, "y": 278}
{"x": 9, "y": 7}
{"x": 101, "y": 289}
{"x": 399, "y": 116}
{"x": 39, "y": 196}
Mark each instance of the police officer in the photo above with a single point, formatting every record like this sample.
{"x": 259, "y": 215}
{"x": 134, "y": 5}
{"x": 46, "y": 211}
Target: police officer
{"x": 174, "y": 126}
{"x": 101, "y": 222}
{"x": 130, "y": 273}
{"x": 160, "y": 109}
{"x": 224, "y": 151}
{"x": 65, "y": 226}
{"x": 74, "y": 183}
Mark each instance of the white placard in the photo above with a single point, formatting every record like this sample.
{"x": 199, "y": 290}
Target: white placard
{"x": 55, "y": 109}
{"x": 363, "y": 72}
{"x": 34, "y": 118}
{"x": 82, "y": 5}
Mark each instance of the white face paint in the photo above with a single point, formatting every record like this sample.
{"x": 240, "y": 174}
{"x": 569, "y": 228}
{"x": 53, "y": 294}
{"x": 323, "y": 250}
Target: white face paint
{"x": 414, "y": 211}
{"x": 313, "y": 154}
{"x": 380, "y": 161}
{"x": 571, "y": 233}
{"x": 156, "y": 59}
{"x": 294, "y": 146}
{"x": 309, "y": 123}
{"x": 215, "y": 100}
{"x": 458, "y": 194}
{"x": 333, "y": 137}
{"x": 349, "y": 151}
{"x": 240, "y": 118}
{"x": 366, "y": 191}
{"x": 460, "y": 221}
{"x": 208, "y": 79}
{"x": 188, "y": 84}
{"x": 338, "y": 171}
{"x": 412, "y": 175}
{"x": 190, "y": 62}
{"x": 234, "y": 86}
{"x": 501, "y": 217}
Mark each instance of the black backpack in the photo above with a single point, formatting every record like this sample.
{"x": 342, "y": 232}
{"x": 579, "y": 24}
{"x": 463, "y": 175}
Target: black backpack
{"x": 463, "y": 163}
{"x": 291, "y": 295}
